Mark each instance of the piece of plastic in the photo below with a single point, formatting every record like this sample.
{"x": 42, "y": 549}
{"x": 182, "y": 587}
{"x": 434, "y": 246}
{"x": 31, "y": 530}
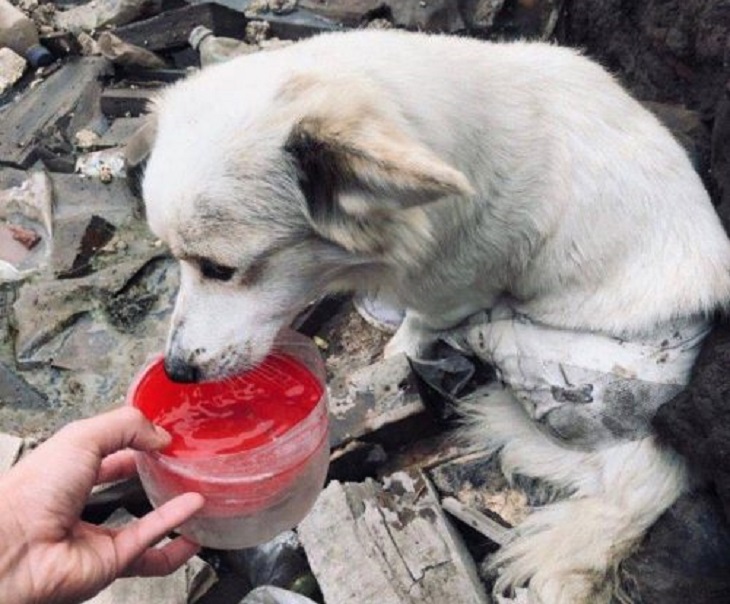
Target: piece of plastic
{"x": 216, "y": 49}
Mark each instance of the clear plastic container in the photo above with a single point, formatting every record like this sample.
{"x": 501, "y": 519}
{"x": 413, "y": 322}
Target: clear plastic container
{"x": 254, "y": 494}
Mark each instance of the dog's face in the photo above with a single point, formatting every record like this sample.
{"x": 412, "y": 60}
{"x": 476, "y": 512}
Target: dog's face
{"x": 270, "y": 198}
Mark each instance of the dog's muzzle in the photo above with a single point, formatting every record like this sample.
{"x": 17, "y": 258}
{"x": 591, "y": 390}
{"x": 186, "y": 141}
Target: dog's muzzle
{"x": 180, "y": 371}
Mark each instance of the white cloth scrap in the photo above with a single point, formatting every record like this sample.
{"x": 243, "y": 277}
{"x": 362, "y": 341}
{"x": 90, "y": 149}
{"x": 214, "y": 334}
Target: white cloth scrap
{"x": 588, "y": 389}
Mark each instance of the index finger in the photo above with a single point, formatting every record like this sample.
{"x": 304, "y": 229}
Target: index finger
{"x": 122, "y": 428}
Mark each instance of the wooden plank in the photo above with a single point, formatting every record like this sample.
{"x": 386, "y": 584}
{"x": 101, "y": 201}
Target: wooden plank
{"x": 378, "y": 402}
{"x": 171, "y": 29}
{"x": 126, "y": 102}
{"x": 491, "y": 529}
{"x": 390, "y": 544}
{"x": 44, "y": 107}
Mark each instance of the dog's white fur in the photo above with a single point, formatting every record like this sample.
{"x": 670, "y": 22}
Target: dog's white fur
{"x": 451, "y": 173}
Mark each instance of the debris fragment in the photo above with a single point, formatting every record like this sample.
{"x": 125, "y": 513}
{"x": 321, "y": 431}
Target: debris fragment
{"x": 101, "y": 13}
{"x": 19, "y": 33}
{"x": 12, "y": 67}
{"x": 28, "y": 238}
{"x": 86, "y": 139}
{"x": 397, "y": 538}
{"x": 105, "y": 165}
{"x": 216, "y": 49}
{"x": 127, "y": 55}
{"x": 478, "y": 521}
{"x": 10, "y": 448}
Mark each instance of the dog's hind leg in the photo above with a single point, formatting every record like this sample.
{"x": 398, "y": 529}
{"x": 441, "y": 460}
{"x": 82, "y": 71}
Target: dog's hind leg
{"x": 567, "y": 552}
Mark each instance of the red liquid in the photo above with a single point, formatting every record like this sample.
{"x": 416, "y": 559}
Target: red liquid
{"x": 230, "y": 416}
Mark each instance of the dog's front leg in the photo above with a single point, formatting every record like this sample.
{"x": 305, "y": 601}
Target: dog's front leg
{"x": 414, "y": 337}
{"x": 421, "y": 328}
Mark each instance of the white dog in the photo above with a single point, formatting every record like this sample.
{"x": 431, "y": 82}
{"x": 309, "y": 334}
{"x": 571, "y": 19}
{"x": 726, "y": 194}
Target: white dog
{"x": 458, "y": 176}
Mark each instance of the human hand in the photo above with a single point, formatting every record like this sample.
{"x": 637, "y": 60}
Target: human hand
{"x": 47, "y": 554}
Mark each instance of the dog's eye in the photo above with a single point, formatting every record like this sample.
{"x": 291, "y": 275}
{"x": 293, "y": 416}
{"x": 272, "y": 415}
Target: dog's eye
{"x": 211, "y": 270}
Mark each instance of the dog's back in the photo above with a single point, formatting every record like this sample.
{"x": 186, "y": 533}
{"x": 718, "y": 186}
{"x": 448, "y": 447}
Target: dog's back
{"x": 587, "y": 211}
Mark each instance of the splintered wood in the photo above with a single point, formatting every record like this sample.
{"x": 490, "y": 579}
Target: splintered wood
{"x": 390, "y": 544}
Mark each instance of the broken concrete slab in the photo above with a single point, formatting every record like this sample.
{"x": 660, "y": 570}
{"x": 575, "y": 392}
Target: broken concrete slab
{"x": 12, "y": 67}
{"x": 96, "y": 334}
{"x": 26, "y": 233}
{"x": 88, "y": 214}
{"x": 24, "y": 408}
{"x": 76, "y": 195}
{"x": 15, "y": 392}
{"x": 10, "y": 449}
{"x": 104, "y": 295}
{"x": 390, "y": 544}
{"x": 40, "y": 113}
{"x": 172, "y": 29}
{"x": 78, "y": 240}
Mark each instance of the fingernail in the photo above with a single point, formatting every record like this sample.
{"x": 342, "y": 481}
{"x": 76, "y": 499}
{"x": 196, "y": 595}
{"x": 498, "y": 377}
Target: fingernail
{"x": 163, "y": 435}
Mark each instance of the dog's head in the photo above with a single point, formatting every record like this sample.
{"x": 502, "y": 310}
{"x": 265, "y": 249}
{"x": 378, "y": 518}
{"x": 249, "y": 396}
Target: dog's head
{"x": 271, "y": 190}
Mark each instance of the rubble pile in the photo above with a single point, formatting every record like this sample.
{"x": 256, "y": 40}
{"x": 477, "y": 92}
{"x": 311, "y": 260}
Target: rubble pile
{"x": 410, "y": 512}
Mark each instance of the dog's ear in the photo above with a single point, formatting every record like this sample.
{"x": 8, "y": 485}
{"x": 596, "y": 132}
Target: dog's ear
{"x": 362, "y": 165}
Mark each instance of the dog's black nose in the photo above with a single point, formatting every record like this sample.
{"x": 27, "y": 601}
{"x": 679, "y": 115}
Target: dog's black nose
{"x": 180, "y": 371}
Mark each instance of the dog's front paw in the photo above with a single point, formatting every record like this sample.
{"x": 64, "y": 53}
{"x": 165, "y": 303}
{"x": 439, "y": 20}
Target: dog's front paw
{"x": 557, "y": 565}
{"x": 410, "y": 340}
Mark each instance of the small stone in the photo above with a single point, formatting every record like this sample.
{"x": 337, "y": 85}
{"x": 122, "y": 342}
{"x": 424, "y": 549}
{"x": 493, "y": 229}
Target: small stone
{"x": 12, "y": 67}
{"x": 257, "y": 32}
{"x": 283, "y": 7}
{"x": 321, "y": 343}
{"x": 85, "y": 139}
{"x": 258, "y": 7}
